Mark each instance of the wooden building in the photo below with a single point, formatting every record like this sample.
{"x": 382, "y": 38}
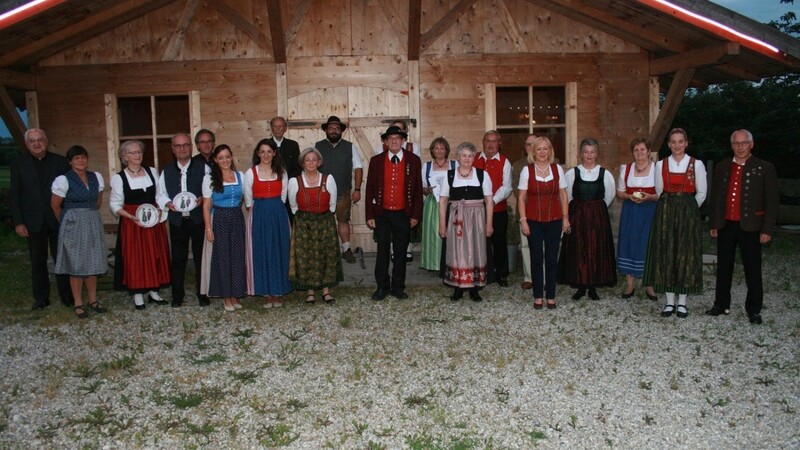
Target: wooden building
{"x": 99, "y": 72}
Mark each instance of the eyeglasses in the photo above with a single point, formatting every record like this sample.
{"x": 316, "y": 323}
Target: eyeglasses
{"x": 740, "y": 143}
{"x": 182, "y": 145}
{"x": 134, "y": 153}
{"x": 37, "y": 141}
{"x": 205, "y": 142}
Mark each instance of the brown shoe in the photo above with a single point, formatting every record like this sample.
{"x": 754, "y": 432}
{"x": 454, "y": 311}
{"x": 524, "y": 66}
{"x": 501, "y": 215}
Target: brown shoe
{"x": 527, "y": 285}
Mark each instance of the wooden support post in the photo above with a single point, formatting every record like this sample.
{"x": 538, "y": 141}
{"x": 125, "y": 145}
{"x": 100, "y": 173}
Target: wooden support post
{"x": 680, "y": 82}
{"x": 8, "y": 111}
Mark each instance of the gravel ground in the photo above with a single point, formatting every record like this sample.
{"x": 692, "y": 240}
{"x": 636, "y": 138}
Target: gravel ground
{"x": 420, "y": 373}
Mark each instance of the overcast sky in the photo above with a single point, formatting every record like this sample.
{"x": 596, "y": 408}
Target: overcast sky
{"x": 760, "y": 10}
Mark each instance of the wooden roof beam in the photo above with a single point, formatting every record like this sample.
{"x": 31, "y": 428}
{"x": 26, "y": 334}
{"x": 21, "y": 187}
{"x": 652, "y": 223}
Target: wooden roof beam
{"x": 246, "y": 26}
{"x": 276, "y": 31}
{"x": 511, "y": 26}
{"x": 414, "y": 24}
{"x": 444, "y": 24}
{"x": 179, "y": 35}
{"x": 17, "y": 80}
{"x": 8, "y": 111}
{"x": 708, "y": 56}
{"x": 82, "y": 31}
{"x": 608, "y": 23}
{"x": 670, "y": 107}
{"x": 298, "y": 19}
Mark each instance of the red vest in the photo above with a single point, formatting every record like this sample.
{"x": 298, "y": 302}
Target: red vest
{"x": 632, "y": 190}
{"x": 495, "y": 169}
{"x": 543, "y": 202}
{"x": 394, "y": 184}
{"x": 733, "y": 205}
{"x": 266, "y": 189}
{"x": 315, "y": 200}
{"x": 678, "y": 182}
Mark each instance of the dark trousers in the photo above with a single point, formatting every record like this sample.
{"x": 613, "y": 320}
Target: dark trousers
{"x": 39, "y": 245}
{"x": 180, "y": 238}
{"x": 543, "y": 244}
{"x": 392, "y": 228}
{"x": 499, "y": 243}
{"x": 728, "y": 238}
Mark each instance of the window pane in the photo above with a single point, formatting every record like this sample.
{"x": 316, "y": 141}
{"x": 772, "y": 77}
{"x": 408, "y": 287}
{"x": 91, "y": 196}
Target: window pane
{"x": 548, "y": 105}
{"x": 172, "y": 114}
{"x": 514, "y": 143}
{"x": 165, "y": 155}
{"x": 147, "y": 157}
{"x": 558, "y": 136}
{"x": 512, "y": 106}
{"x": 134, "y": 116}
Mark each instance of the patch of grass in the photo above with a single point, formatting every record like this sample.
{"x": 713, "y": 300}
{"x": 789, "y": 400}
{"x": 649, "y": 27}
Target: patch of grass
{"x": 346, "y": 322}
{"x": 719, "y": 402}
{"x": 84, "y": 370}
{"x": 295, "y": 404}
{"x": 210, "y": 359}
{"x": 117, "y": 365}
{"x": 537, "y": 436}
{"x": 278, "y": 435}
{"x": 360, "y": 427}
{"x": 245, "y": 376}
{"x": 245, "y": 333}
{"x": 502, "y": 394}
{"x": 186, "y": 400}
{"x": 295, "y": 335}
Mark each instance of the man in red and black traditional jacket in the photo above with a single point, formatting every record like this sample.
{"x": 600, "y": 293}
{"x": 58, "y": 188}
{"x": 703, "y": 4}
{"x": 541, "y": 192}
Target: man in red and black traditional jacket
{"x": 499, "y": 169}
{"x": 393, "y": 206}
{"x": 743, "y": 209}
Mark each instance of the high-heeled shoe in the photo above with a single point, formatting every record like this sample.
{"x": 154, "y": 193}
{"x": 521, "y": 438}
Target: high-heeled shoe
{"x": 579, "y": 294}
{"x": 538, "y": 303}
{"x": 628, "y": 295}
{"x": 551, "y": 303}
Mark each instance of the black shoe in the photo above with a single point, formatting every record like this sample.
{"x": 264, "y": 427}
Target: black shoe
{"x": 683, "y": 312}
{"x": 140, "y": 307}
{"x": 175, "y": 304}
{"x": 579, "y": 294}
{"x": 475, "y": 295}
{"x": 39, "y": 305}
{"x": 161, "y": 302}
{"x": 349, "y": 256}
{"x": 593, "y": 294}
{"x": 653, "y": 297}
{"x": 82, "y": 314}
{"x": 457, "y": 295}
{"x": 97, "y": 308}
{"x": 668, "y": 310}
{"x": 502, "y": 282}
{"x": 203, "y": 300}
{"x": 755, "y": 319}
{"x": 379, "y": 294}
{"x": 400, "y": 295}
{"x": 409, "y": 257}
{"x": 718, "y": 310}
{"x": 628, "y": 295}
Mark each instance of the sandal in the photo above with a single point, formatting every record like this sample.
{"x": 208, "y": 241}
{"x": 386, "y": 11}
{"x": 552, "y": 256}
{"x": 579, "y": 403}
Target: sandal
{"x": 551, "y": 303}
{"x": 537, "y": 303}
{"x": 328, "y": 298}
{"x": 83, "y": 314}
{"x": 97, "y": 308}
{"x": 311, "y": 299}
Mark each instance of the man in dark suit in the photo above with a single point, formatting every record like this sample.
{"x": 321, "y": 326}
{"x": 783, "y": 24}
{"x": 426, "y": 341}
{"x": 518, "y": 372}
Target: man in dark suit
{"x": 204, "y": 140}
{"x": 32, "y": 175}
{"x": 393, "y": 206}
{"x": 289, "y": 151}
{"x": 743, "y": 209}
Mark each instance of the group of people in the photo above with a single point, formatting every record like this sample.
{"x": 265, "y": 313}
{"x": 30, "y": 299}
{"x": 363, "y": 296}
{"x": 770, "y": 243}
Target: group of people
{"x": 294, "y": 231}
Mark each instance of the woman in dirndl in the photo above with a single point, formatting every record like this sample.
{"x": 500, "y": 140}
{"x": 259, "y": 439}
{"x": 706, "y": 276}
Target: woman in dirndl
{"x": 141, "y": 258}
{"x": 674, "y": 263}
{"x": 465, "y": 221}
{"x": 315, "y": 261}
{"x": 81, "y": 241}
{"x": 636, "y": 187}
{"x": 265, "y": 190}
{"x": 587, "y": 258}
{"x": 223, "y": 196}
{"x": 434, "y": 175}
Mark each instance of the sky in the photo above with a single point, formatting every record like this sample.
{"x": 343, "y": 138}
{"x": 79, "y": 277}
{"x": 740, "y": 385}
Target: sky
{"x": 759, "y": 10}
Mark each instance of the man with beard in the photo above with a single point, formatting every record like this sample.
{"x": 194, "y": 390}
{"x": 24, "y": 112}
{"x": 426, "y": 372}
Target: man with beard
{"x": 342, "y": 161}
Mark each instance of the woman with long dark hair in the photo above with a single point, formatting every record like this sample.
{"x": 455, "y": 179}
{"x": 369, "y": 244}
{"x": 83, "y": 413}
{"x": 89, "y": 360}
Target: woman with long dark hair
{"x": 265, "y": 190}
{"x": 222, "y": 211}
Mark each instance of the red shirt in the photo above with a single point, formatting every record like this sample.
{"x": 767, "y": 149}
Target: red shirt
{"x": 733, "y": 205}
{"x": 394, "y": 182}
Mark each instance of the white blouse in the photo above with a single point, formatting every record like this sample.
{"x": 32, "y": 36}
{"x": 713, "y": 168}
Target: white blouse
{"x": 249, "y": 180}
{"x": 61, "y": 185}
{"x": 472, "y": 180}
{"x": 117, "y": 198}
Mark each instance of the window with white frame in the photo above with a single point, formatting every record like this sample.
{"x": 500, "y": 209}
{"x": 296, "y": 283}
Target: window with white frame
{"x": 153, "y": 119}
{"x": 541, "y": 110}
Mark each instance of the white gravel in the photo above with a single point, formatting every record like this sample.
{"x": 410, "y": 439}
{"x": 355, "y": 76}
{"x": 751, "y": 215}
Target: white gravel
{"x": 419, "y": 373}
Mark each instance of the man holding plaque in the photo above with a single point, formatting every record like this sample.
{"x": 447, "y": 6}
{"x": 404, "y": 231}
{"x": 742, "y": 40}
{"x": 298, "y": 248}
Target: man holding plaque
{"x": 180, "y": 191}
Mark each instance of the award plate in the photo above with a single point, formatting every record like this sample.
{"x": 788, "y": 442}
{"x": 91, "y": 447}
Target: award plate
{"x": 184, "y": 202}
{"x": 148, "y": 215}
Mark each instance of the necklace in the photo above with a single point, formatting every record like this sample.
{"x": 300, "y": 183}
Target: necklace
{"x": 641, "y": 169}
{"x": 465, "y": 176}
{"x": 542, "y": 170}
{"x": 134, "y": 172}
{"x": 442, "y": 165}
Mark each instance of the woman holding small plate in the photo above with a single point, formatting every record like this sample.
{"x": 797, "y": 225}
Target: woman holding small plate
{"x": 142, "y": 260}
